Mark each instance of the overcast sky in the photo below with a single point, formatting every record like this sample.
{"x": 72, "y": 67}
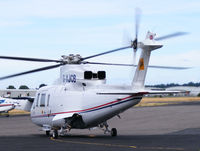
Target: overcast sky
{"x": 51, "y": 28}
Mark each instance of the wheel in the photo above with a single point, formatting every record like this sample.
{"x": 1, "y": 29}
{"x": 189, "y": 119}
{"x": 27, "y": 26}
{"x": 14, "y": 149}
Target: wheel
{"x": 55, "y": 134}
{"x": 7, "y": 114}
{"x": 113, "y": 132}
{"x": 47, "y": 133}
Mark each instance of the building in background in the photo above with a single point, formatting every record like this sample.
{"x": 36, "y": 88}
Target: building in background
{"x": 190, "y": 90}
{"x": 185, "y": 91}
{"x": 18, "y": 93}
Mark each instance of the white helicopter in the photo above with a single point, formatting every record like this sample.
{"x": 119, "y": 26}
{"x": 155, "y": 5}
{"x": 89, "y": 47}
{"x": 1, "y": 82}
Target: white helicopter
{"x": 81, "y": 99}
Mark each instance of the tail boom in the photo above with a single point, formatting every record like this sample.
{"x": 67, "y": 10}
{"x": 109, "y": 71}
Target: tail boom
{"x": 148, "y": 45}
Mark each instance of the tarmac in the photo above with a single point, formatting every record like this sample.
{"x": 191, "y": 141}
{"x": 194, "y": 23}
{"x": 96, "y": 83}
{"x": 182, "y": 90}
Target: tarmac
{"x": 173, "y": 128}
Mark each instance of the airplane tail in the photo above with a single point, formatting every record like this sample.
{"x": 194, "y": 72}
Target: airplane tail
{"x": 148, "y": 45}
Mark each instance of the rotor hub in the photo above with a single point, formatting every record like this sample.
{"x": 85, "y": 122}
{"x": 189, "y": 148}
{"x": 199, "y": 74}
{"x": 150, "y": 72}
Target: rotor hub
{"x": 134, "y": 44}
{"x": 71, "y": 59}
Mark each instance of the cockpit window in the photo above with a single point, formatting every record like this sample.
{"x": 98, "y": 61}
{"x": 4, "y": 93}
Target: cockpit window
{"x": 2, "y": 101}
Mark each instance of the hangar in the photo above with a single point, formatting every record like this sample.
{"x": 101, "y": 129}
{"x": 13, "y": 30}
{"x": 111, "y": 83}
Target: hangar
{"x": 17, "y": 92}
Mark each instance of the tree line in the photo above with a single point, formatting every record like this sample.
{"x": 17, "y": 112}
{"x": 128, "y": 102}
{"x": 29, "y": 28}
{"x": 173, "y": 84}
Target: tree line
{"x": 175, "y": 84}
{"x": 23, "y": 86}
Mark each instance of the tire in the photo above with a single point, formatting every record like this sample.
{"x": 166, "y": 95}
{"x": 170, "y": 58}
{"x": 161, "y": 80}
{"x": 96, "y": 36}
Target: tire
{"x": 55, "y": 134}
{"x": 113, "y": 132}
{"x": 47, "y": 133}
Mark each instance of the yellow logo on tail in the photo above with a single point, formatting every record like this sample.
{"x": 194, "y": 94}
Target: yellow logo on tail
{"x": 141, "y": 64}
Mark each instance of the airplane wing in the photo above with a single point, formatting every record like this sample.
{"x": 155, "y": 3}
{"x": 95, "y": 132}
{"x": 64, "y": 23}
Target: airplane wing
{"x": 142, "y": 92}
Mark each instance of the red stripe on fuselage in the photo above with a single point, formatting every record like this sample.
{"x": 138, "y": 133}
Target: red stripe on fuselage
{"x": 2, "y": 105}
{"x": 116, "y": 101}
{"x": 93, "y": 107}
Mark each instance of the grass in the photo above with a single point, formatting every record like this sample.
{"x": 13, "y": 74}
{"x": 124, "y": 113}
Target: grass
{"x": 15, "y": 112}
{"x": 171, "y": 99}
{"x": 166, "y": 101}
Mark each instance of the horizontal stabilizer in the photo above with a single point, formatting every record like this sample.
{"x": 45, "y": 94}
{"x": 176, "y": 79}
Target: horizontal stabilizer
{"x": 122, "y": 93}
{"x": 62, "y": 116}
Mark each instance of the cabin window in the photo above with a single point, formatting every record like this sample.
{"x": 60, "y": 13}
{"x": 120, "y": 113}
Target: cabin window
{"x": 37, "y": 99}
{"x": 48, "y": 98}
{"x": 42, "y": 100}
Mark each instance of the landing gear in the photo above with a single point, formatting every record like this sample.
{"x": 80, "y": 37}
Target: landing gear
{"x": 7, "y": 114}
{"x": 113, "y": 132}
{"x": 64, "y": 130}
{"x": 57, "y": 131}
{"x": 104, "y": 126}
{"x": 47, "y": 133}
{"x": 55, "y": 134}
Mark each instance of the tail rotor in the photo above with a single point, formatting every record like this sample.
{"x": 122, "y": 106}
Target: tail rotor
{"x": 134, "y": 43}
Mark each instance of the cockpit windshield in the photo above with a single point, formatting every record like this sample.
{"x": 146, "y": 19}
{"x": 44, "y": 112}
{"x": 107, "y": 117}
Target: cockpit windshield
{"x": 2, "y": 101}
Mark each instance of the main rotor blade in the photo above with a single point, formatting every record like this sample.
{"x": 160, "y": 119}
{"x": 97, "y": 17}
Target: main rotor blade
{"x": 107, "y": 52}
{"x": 109, "y": 64}
{"x": 29, "y": 59}
{"x": 171, "y": 35}
{"x": 169, "y": 67}
{"x": 132, "y": 65}
{"x": 31, "y": 71}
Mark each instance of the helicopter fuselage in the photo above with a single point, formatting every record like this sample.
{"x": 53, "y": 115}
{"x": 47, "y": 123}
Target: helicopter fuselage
{"x": 85, "y": 101}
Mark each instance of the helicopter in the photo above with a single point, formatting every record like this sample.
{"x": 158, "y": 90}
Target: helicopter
{"x": 81, "y": 99}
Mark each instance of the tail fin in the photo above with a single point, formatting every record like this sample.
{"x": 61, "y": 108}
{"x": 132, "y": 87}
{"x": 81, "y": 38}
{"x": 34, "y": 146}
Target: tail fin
{"x": 148, "y": 45}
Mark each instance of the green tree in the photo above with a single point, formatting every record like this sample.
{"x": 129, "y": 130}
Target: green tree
{"x": 42, "y": 85}
{"x": 11, "y": 87}
{"x": 23, "y": 87}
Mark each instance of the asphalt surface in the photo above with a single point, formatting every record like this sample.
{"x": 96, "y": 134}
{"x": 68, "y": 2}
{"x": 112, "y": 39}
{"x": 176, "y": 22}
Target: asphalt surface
{"x": 170, "y": 128}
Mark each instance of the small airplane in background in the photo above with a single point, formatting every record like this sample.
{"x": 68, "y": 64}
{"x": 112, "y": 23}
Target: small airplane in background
{"x": 81, "y": 99}
{"x": 8, "y": 104}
